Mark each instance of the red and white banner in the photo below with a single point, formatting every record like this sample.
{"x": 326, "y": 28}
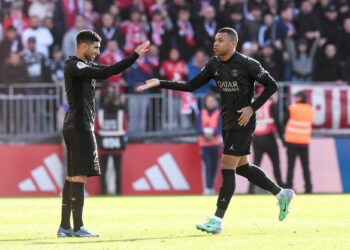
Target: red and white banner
{"x": 332, "y": 106}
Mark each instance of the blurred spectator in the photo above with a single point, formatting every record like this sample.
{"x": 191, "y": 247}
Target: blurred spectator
{"x": 135, "y": 30}
{"x": 111, "y": 55}
{"x": 11, "y": 43}
{"x": 250, "y": 48}
{"x": 160, "y": 32}
{"x": 344, "y": 8}
{"x": 233, "y": 19}
{"x": 69, "y": 39}
{"x": 206, "y": 30}
{"x": 267, "y": 35}
{"x": 135, "y": 4}
{"x": 59, "y": 22}
{"x": 300, "y": 117}
{"x": 16, "y": 18}
{"x": 92, "y": 18}
{"x": 107, "y": 31}
{"x": 252, "y": 25}
{"x": 307, "y": 23}
{"x": 194, "y": 65}
{"x": 103, "y": 6}
{"x": 285, "y": 24}
{"x": 72, "y": 8}
{"x": 55, "y": 66}
{"x": 302, "y": 60}
{"x": 184, "y": 34}
{"x": 344, "y": 49}
{"x": 153, "y": 58}
{"x": 175, "y": 69}
{"x": 174, "y": 9}
{"x": 273, "y": 8}
{"x": 271, "y": 60}
{"x": 48, "y": 23}
{"x": 42, "y": 36}
{"x": 113, "y": 10}
{"x": 159, "y": 5}
{"x": 36, "y": 70}
{"x": 41, "y": 9}
{"x": 321, "y": 9}
{"x": 327, "y": 66}
{"x": 136, "y": 75}
{"x": 13, "y": 70}
{"x": 330, "y": 25}
{"x": 208, "y": 128}
{"x": 34, "y": 61}
{"x": 344, "y": 41}
{"x": 111, "y": 137}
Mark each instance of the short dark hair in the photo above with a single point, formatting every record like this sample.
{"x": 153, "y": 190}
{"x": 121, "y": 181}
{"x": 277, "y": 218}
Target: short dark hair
{"x": 230, "y": 32}
{"x": 88, "y": 36}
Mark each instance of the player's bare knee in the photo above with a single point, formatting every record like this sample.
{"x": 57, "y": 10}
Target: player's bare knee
{"x": 80, "y": 178}
{"x": 229, "y": 162}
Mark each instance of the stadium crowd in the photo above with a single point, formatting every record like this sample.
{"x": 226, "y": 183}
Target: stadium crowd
{"x": 294, "y": 40}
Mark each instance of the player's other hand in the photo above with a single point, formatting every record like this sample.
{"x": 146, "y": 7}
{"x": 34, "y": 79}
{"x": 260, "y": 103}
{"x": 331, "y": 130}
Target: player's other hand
{"x": 246, "y": 113}
{"x": 152, "y": 83}
{"x": 143, "y": 48}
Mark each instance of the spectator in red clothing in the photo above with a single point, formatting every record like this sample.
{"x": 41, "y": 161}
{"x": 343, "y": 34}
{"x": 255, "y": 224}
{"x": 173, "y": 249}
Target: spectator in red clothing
{"x": 175, "y": 69}
{"x": 92, "y": 18}
{"x": 135, "y": 30}
{"x": 111, "y": 55}
{"x": 185, "y": 34}
{"x": 16, "y": 19}
{"x": 72, "y": 8}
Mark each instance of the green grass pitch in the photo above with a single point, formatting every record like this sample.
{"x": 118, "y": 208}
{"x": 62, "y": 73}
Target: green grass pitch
{"x": 168, "y": 222}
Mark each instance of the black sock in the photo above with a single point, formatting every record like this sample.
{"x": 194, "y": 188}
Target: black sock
{"x": 258, "y": 177}
{"x": 66, "y": 205}
{"x": 77, "y": 197}
{"x": 226, "y": 191}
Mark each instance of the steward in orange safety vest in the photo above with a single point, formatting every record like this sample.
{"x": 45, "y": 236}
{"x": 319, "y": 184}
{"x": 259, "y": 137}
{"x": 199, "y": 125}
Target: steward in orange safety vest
{"x": 298, "y": 136}
{"x": 299, "y": 125}
{"x": 209, "y": 140}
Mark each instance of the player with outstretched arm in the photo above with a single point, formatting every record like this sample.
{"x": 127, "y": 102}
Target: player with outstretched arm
{"x": 235, "y": 75}
{"x": 80, "y": 75}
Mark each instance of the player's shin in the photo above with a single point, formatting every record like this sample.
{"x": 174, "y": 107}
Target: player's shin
{"x": 226, "y": 192}
{"x": 66, "y": 205}
{"x": 77, "y": 197}
{"x": 258, "y": 177}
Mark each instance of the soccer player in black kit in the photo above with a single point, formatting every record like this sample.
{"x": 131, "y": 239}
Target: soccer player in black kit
{"x": 80, "y": 75}
{"x": 235, "y": 75}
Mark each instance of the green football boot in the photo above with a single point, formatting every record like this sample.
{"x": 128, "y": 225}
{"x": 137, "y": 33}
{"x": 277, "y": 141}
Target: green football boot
{"x": 284, "y": 202}
{"x": 212, "y": 226}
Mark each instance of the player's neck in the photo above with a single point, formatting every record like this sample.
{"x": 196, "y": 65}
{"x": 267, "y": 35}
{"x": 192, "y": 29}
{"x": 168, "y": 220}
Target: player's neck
{"x": 227, "y": 56}
{"x": 80, "y": 56}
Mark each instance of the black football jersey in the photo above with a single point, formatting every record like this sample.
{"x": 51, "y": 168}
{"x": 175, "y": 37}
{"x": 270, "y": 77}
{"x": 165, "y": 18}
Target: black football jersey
{"x": 80, "y": 81}
{"x": 235, "y": 80}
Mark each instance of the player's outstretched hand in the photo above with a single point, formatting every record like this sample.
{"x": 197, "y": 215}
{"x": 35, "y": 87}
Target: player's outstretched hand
{"x": 246, "y": 113}
{"x": 152, "y": 83}
{"x": 143, "y": 48}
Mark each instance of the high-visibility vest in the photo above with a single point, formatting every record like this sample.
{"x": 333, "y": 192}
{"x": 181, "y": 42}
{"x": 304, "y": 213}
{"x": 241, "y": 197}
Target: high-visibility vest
{"x": 299, "y": 125}
{"x": 265, "y": 123}
{"x": 209, "y": 122}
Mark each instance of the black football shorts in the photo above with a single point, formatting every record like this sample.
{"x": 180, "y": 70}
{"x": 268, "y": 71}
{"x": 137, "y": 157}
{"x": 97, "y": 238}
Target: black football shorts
{"x": 82, "y": 158}
{"x": 237, "y": 142}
